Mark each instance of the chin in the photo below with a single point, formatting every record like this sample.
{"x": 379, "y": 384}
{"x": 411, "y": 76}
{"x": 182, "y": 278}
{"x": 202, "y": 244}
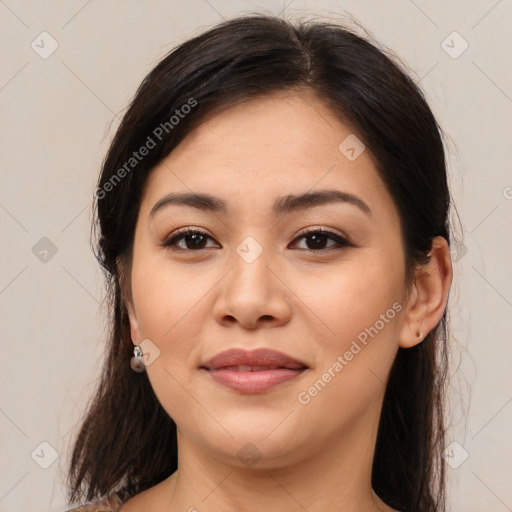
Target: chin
{"x": 256, "y": 442}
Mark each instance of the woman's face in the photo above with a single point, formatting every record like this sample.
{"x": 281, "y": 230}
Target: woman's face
{"x": 254, "y": 279}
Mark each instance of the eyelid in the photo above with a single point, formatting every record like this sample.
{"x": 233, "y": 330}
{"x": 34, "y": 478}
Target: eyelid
{"x": 323, "y": 230}
{"x": 341, "y": 241}
{"x": 181, "y": 233}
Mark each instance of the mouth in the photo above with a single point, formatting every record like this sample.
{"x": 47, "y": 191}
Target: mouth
{"x": 249, "y": 368}
{"x": 254, "y": 371}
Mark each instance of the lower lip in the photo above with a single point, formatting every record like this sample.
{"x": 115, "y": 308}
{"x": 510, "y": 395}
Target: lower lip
{"x": 253, "y": 382}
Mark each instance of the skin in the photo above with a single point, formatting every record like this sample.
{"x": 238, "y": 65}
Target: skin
{"x": 311, "y": 304}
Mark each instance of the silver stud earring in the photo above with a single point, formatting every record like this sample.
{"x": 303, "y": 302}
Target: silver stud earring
{"x": 420, "y": 335}
{"x": 137, "y": 361}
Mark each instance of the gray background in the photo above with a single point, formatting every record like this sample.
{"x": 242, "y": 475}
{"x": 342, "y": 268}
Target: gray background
{"x": 58, "y": 116}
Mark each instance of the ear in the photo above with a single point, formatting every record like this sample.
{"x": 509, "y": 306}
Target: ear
{"x": 429, "y": 294}
{"x": 126, "y": 296}
{"x": 132, "y": 317}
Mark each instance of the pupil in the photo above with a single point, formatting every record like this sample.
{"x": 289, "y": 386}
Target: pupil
{"x": 196, "y": 239}
{"x": 317, "y": 240}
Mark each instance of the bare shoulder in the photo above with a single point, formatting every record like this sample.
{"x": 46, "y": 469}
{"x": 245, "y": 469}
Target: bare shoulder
{"x": 121, "y": 501}
{"x": 134, "y": 504}
{"x": 145, "y": 500}
{"x": 110, "y": 504}
{"x": 154, "y": 498}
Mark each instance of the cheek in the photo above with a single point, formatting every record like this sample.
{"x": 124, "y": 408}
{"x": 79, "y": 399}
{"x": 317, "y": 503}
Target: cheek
{"x": 167, "y": 312}
{"x": 167, "y": 309}
{"x": 362, "y": 311}
{"x": 163, "y": 297}
{"x": 352, "y": 297}
{"x": 360, "y": 305}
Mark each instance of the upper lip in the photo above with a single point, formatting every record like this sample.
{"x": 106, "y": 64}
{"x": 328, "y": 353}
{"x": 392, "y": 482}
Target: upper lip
{"x": 258, "y": 357}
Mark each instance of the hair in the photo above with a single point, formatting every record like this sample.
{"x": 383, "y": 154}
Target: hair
{"x": 127, "y": 442}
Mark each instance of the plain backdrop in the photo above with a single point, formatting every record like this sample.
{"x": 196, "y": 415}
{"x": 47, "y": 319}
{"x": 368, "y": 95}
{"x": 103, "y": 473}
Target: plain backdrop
{"x": 69, "y": 68}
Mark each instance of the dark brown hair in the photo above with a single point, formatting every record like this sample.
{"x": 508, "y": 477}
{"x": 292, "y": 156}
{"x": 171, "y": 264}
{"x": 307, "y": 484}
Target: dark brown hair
{"x": 127, "y": 442}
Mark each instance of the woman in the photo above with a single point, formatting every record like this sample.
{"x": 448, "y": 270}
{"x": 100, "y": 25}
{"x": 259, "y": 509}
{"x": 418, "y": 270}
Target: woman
{"x": 273, "y": 224}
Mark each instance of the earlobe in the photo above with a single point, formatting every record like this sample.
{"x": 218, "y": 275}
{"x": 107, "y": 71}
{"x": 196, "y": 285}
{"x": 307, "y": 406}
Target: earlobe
{"x": 427, "y": 300}
{"x": 124, "y": 282}
{"x": 414, "y": 312}
{"x": 132, "y": 317}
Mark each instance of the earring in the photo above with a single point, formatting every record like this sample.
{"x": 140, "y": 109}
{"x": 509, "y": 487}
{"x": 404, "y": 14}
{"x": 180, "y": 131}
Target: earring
{"x": 137, "y": 361}
{"x": 420, "y": 335}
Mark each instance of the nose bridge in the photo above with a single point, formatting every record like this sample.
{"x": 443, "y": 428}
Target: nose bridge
{"x": 251, "y": 290}
{"x": 250, "y": 269}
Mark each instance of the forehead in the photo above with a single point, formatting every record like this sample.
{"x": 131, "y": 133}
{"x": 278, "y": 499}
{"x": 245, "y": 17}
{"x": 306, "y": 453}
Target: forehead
{"x": 290, "y": 124}
{"x": 270, "y": 146}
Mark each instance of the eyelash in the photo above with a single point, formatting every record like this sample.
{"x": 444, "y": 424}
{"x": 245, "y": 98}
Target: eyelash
{"x": 182, "y": 233}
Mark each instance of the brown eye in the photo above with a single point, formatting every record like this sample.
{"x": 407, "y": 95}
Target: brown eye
{"x": 193, "y": 239}
{"x": 317, "y": 238}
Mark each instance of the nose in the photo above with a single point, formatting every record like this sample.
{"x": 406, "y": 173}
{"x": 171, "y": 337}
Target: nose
{"x": 253, "y": 295}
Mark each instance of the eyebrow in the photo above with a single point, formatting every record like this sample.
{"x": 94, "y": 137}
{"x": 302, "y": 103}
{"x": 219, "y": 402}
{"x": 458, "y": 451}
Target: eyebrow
{"x": 282, "y": 206}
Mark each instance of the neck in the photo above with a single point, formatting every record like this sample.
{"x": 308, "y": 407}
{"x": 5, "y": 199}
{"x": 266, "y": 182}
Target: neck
{"x": 335, "y": 476}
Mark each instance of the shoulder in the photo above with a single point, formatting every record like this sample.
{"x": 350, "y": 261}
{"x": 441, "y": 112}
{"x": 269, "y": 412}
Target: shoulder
{"x": 110, "y": 504}
{"x": 123, "y": 501}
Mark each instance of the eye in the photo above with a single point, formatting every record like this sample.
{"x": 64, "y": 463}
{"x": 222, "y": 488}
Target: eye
{"x": 195, "y": 239}
{"x": 318, "y": 238}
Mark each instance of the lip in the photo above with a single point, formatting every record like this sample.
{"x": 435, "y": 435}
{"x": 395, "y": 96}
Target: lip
{"x": 253, "y": 371}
